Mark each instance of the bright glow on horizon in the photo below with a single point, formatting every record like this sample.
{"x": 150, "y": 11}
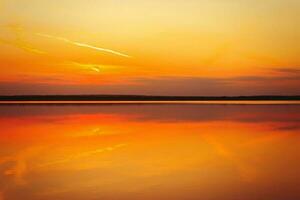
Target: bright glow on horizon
{"x": 195, "y": 47}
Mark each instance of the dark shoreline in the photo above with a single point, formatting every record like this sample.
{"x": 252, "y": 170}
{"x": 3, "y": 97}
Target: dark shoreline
{"x": 144, "y": 98}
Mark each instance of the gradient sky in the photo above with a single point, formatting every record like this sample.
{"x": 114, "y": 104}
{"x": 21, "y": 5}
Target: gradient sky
{"x": 179, "y": 47}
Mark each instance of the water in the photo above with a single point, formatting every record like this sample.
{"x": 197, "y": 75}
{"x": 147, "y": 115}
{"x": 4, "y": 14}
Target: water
{"x": 150, "y": 151}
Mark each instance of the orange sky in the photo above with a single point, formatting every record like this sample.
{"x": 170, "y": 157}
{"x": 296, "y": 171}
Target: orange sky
{"x": 194, "y": 47}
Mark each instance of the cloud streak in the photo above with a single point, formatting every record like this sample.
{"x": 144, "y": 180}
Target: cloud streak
{"x": 84, "y": 45}
{"x": 22, "y": 45}
{"x": 20, "y": 42}
{"x": 93, "y": 67}
{"x": 173, "y": 85}
{"x": 295, "y": 70}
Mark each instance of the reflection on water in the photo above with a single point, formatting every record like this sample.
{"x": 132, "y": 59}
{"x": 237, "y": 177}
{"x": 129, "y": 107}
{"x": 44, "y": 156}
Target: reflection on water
{"x": 228, "y": 152}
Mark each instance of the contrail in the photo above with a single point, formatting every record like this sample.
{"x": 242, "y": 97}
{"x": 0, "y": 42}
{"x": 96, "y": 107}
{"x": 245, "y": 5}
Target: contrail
{"x": 84, "y": 45}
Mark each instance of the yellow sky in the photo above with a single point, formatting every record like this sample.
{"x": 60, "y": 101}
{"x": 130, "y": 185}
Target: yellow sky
{"x": 85, "y": 42}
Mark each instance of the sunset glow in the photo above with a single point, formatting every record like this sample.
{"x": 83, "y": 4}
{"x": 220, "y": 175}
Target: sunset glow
{"x": 149, "y": 99}
{"x": 194, "y": 47}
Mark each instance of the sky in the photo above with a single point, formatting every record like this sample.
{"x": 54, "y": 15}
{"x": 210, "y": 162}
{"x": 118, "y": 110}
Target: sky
{"x": 179, "y": 47}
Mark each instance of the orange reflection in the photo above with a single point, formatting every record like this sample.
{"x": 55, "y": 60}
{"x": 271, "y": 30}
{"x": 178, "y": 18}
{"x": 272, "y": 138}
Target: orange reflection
{"x": 106, "y": 154}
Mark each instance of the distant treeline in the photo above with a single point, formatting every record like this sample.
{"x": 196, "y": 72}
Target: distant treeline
{"x": 142, "y": 98}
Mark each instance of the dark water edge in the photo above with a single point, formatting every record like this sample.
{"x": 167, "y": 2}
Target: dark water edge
{"x": 145, "y": 98}
{"x": 145, "y": 103}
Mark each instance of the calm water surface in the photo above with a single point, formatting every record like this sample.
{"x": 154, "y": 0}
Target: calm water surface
{"x": 150, "y": 152}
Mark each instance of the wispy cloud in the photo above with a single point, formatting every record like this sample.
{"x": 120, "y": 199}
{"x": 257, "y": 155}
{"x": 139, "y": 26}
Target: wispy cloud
{"x": 94, "y": 67}
{"x": 20, "y": 42}
{"x": 84, "y": 45}
{"x": 295, "y": 70}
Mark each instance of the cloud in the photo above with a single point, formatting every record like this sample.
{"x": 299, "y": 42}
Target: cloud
{"x": 20, "y": 42}
{"x": 84, "y": 45}
{"x": 22, "y": 45}
{"x": 94, "y": 67}
{"x": 177, "y": 85}
{"x": 295, "y": 70}
{"x": 289, "y": 128}
{"x": 290, "y": 77}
